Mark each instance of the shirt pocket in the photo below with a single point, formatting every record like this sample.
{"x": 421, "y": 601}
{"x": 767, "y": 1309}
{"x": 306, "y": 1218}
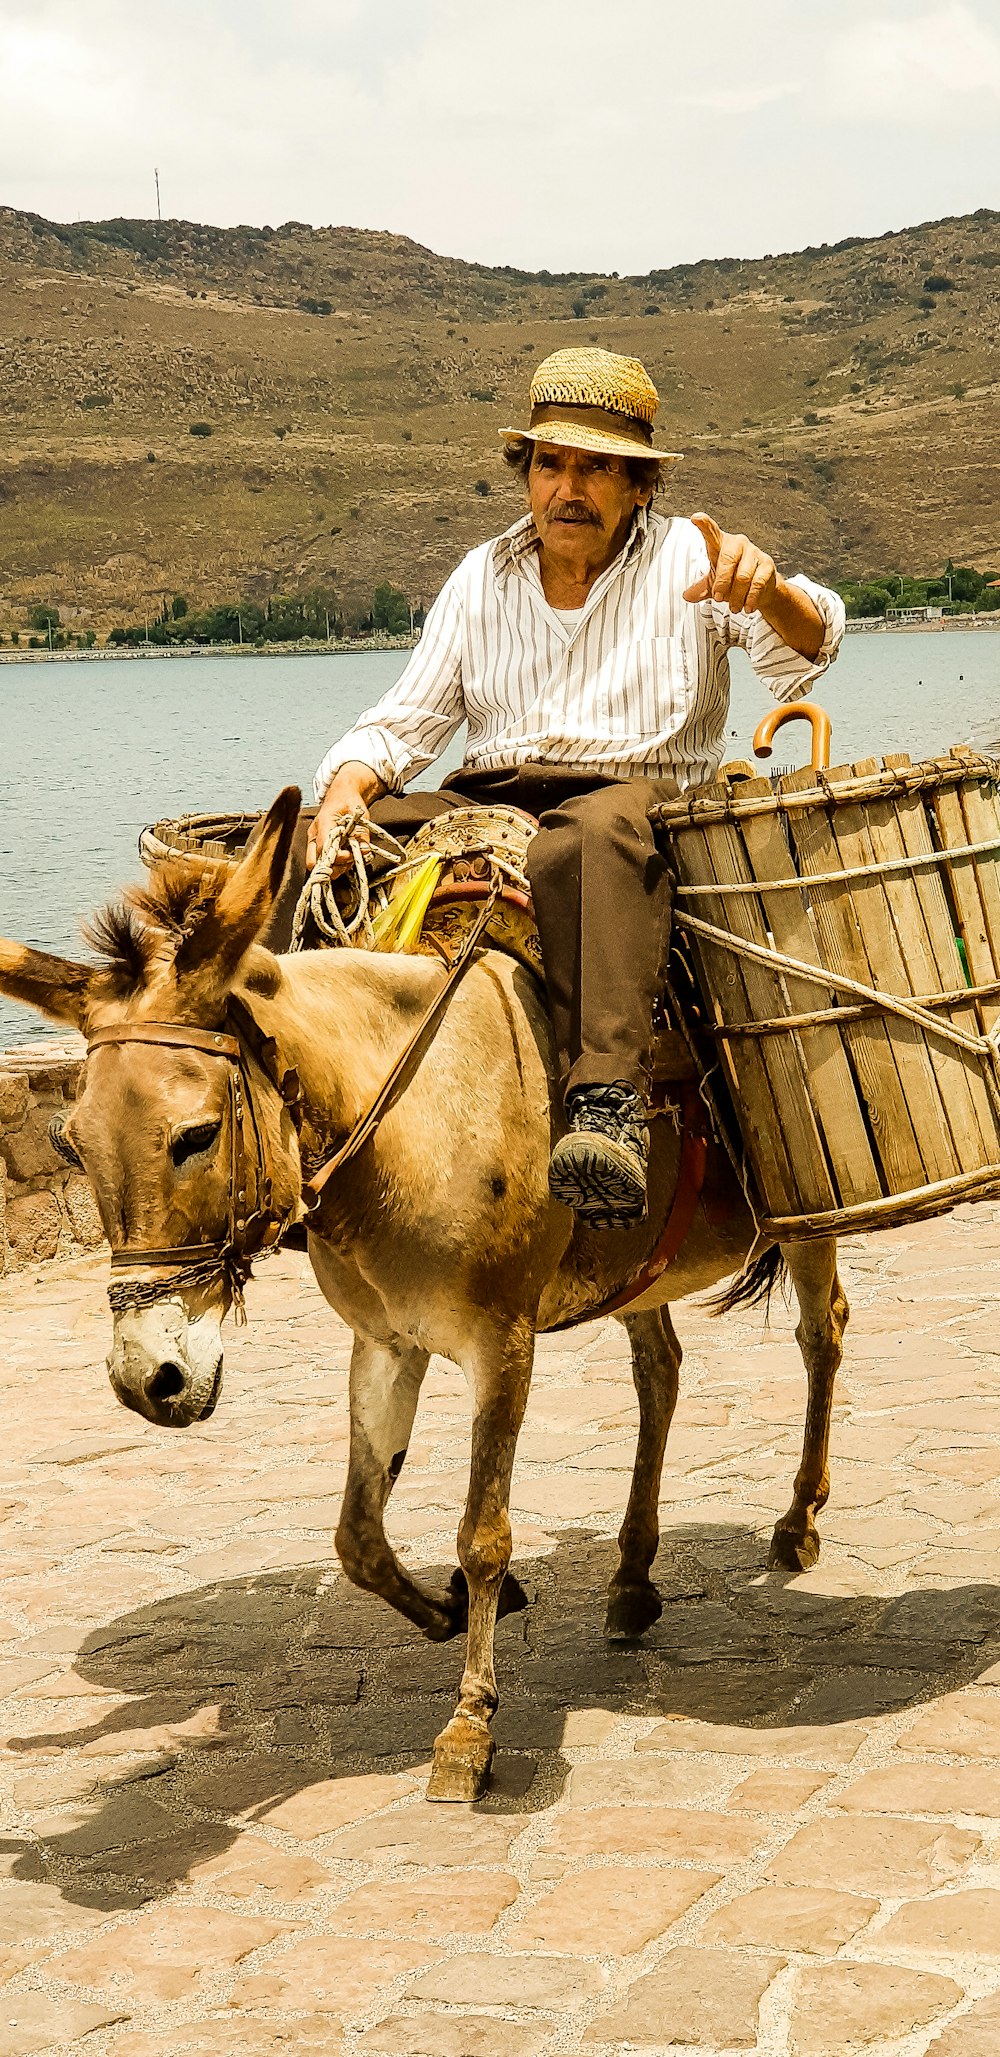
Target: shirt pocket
{"x": 660, "y": 685}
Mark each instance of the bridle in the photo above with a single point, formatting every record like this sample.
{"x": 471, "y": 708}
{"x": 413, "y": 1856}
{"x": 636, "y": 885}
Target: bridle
{"x": 252, "y": 1225}
{"x": 254, "y": 1229}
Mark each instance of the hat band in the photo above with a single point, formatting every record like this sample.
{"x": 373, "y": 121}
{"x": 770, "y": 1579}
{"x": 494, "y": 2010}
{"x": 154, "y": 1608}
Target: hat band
{"x": 605, "y": 419}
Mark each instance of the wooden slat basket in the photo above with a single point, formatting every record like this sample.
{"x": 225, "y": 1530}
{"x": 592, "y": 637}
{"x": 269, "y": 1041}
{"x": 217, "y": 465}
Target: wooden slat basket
{"x": 846, "y": 930}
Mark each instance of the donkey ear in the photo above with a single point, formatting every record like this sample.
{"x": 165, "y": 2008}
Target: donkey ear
{"x": 246, "y": 899}
{"x": 56, "y": 986}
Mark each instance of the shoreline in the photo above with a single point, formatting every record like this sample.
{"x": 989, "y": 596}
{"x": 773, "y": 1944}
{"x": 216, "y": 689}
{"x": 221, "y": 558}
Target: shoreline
{"x": 951, "y": 625}
{"x": 875, "y": 626}
{"x": 141, "y": 650}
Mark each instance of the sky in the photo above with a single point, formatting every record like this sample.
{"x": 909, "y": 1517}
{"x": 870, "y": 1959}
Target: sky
{"x": 559, "y": 133}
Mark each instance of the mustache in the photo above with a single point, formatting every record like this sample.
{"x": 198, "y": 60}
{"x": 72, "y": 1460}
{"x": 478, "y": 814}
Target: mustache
{"x": 577, "y": 511}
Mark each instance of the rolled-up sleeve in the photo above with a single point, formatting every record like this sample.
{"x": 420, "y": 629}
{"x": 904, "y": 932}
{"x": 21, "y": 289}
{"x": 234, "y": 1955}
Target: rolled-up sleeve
{"x": 785, "y": 672}
{"x": 416, "y": 719}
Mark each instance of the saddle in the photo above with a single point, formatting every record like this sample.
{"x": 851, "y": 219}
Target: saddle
{"x": 436, "y": 908}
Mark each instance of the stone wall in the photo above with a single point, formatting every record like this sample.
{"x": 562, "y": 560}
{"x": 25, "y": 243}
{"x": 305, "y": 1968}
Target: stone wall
{"x": 46, "y": 1207}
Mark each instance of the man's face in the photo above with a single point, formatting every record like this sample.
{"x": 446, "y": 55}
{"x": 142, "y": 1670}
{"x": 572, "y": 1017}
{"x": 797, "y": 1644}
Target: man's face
{"x": 582, "y": 503}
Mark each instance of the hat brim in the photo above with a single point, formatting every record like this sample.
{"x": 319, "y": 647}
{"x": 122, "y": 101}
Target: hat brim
{"x": 575, "y": 435}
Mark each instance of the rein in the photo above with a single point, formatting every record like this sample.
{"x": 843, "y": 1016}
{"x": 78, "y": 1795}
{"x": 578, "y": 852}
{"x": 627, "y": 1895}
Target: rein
{"x": 229, "y": 1260}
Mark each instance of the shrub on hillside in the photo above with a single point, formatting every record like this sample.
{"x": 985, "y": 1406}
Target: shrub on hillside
{"x": 201, "y": 428}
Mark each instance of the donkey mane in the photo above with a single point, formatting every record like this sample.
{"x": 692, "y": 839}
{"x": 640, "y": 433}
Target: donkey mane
{"x": 129, "y": 933}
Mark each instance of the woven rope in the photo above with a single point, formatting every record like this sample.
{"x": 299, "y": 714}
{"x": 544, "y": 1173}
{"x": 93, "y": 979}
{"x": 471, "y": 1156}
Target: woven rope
{"x": 317, "y": 900}
{"x": 819, "y": 975}
{"x": 808, "y": 879}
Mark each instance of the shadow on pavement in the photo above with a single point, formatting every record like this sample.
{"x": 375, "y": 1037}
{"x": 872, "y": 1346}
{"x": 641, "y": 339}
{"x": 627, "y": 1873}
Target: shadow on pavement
{"x": 314, "y": 1681}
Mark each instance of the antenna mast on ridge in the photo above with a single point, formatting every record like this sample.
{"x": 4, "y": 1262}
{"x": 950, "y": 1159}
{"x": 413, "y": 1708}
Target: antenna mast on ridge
{"x": 156, "y": 175}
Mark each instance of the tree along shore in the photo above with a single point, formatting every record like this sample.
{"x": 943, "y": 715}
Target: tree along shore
{"x": 130, "y": 651}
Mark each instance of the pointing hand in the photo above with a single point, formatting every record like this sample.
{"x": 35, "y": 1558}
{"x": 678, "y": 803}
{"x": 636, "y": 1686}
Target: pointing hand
{"x": 739, "y": 574}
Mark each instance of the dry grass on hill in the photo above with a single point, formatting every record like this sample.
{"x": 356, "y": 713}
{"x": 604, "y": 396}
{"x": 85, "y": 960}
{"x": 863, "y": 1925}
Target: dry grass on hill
{"x": 347, "y": 446}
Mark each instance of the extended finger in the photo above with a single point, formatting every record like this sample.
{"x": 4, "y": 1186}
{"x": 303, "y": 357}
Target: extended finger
{"x": 759, "y": 584}
{"x": 700, "y": 590}
{"x": 743, "y": 578}
{"x": 726, "y": 569}
{"x": 712, "y": 533}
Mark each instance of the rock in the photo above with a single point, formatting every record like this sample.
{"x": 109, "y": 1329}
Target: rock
{"x": 975, "y": 2034}
{"x": 846, "y": 2007}
{"x": 923, "y": 1789}
{"x": 676, "y": 1834}
{"x": 613, "y": 1910}
{"x": 26, "y": 1150}
{"x": 339, "y": 1978}
{"x": 33, "y": 1224}
{"x": 162, "y": 1955}
{"x": 453, "y": 2035}
{"x": 962, "y": 1924}
{"x": 463, "y": 1903}
{"x": 15, "y": 1099}
{"x": 81, "y": 1207}
{"x": 508, "y": 1981}
{"x": 32, "y": 2023}
{"x": 791, "y": 1918}
{"x": 966, "y": 1724}
{"x": 874, "y": 1854}
{"x": 778, "y": 1789}
{"x": 706, "y": 1997}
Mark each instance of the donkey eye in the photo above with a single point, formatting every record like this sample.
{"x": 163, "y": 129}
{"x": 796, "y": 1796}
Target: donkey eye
{"x": 192, "y": 1141}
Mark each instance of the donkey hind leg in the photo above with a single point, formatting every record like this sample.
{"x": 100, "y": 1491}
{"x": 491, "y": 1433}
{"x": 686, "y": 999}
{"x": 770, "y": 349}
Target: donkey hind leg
{"x": 633, "y": 1601}
{"x": 385, "y": 1386}
{"x": 823, "y": 1313}
{"x": 500, "y": 1375}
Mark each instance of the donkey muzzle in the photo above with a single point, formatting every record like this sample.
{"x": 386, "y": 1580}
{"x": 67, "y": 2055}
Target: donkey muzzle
{"x": 166, "y": 1366}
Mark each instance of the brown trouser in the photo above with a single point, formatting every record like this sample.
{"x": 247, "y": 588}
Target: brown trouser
{"x": 602, "y": 895}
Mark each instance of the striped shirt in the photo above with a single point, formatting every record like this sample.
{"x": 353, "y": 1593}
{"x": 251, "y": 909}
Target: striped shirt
{"x": 639, "y": 684}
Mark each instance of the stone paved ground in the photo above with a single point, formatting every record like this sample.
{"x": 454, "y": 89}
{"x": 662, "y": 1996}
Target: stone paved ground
{"x": 776, "y": 1827}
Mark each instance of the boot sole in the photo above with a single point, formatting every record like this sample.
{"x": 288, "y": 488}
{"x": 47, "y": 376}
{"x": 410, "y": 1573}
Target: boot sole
{"x": 598, "y": 1180}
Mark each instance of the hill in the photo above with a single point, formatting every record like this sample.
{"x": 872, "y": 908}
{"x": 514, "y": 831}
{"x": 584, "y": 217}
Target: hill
{"x": 839, "y": 403}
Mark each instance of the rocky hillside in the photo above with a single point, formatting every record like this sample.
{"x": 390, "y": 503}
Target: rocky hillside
{"x": 345, "y": 388}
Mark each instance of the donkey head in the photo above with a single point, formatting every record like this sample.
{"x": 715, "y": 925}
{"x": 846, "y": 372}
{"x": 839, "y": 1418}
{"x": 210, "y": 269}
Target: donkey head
{"x": 153, "y": 1123}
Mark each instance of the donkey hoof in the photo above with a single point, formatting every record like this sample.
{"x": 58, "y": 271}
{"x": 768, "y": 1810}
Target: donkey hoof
{"x": 794, "y": 1549}
{"x": 631, "y": 1610}
{"x": 463, "y": 1755}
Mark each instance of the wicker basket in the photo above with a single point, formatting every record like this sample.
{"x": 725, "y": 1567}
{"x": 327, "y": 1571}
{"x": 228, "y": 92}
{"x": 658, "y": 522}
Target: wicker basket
{"x": 846, "y": 930}
{"x": 198, "y": 835}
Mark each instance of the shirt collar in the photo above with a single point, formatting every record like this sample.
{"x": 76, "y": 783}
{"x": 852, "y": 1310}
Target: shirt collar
{"x": 522, "y": 538}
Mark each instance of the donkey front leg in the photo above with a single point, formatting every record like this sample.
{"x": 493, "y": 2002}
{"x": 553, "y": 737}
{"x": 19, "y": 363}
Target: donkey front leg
{"x": 385, "y": 1386}
{"x": 500, "y": 1374}
{"x": 823, "y": 1314}
{"x": 633, "y": 1601}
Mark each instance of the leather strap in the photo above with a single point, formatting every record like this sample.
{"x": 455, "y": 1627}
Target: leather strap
{"x": 175, "y": 1034}
{"x": 405, "y": 1064}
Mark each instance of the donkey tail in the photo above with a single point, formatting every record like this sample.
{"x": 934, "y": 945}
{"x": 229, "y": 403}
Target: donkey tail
{"x": 753, "y": 1286}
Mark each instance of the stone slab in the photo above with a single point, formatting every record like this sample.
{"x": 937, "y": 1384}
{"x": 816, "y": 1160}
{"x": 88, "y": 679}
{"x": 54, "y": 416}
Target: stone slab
{"x": 701, "y": 1996}
{"x": 841, "y": 2008}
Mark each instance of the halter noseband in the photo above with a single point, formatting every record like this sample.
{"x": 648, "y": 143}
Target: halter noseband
{"x": 187, "y": 1265}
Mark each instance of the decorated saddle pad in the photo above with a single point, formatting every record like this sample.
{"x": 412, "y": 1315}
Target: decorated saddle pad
{"x": 450, "y": 868}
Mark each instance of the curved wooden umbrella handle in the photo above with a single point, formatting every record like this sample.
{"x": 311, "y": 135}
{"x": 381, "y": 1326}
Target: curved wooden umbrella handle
{"x": 799, "y": 710}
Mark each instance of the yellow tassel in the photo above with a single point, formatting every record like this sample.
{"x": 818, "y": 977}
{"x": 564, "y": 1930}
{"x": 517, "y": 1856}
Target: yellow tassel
{"x": 398, "y": 926}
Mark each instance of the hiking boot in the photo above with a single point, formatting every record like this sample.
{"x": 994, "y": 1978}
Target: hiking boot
{"x": 599, "y": 1169}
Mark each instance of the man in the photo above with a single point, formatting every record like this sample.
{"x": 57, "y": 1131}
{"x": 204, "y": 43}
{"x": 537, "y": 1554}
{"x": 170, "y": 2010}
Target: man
{"x": 586, "y": 649}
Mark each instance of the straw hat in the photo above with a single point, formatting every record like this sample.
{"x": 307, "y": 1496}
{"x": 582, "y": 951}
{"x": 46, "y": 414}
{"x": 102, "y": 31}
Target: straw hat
{"x": 594, "y": 400}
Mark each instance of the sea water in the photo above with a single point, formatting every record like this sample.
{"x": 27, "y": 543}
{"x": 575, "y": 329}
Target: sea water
{"x": 92, "y": 751}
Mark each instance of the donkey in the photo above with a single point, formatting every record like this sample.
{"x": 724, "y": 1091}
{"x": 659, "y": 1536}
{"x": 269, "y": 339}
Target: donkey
{"x": 440, "y": 1235}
